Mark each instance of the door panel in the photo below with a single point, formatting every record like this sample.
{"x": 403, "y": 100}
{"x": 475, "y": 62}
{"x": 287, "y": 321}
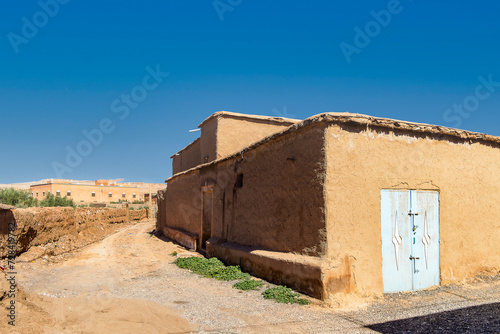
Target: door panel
{"x": 426, "y": 239}
{"x": 396, "y": 268}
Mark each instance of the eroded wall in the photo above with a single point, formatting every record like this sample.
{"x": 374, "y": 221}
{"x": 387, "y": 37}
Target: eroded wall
{"x": 279, "y": 204}
{"x": 362, "y": 160}
{"x": 39, "y": 226}
{"x": 179, "y": 205}
{"x": 269, "y": 198}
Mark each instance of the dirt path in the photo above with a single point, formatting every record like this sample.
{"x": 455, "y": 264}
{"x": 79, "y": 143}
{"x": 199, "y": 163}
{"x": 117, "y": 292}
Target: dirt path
{"x": 77, "y": 295}
{"x": 127, "y": 284}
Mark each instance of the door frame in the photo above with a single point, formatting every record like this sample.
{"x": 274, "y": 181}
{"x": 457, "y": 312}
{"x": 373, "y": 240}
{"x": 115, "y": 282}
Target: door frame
{"x": 206, "y": 190}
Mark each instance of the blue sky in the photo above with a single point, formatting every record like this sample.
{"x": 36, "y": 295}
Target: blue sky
{"x": 69, "y": 68}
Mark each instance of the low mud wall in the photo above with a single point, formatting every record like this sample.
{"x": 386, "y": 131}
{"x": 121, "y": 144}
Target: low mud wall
{"x": 62, "y": 229}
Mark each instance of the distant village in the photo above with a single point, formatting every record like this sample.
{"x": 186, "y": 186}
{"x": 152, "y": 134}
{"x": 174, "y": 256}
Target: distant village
{"x": 92, "y": 192}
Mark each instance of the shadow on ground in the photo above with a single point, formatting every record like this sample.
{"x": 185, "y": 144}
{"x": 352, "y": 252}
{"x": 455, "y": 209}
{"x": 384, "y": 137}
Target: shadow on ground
{"x": 475, "y": 319}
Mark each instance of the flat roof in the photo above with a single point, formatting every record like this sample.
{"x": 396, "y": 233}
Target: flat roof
{"x": 188, "y": 146}
{"x": 359, "y": 119}
{"x": 282, "y": 120}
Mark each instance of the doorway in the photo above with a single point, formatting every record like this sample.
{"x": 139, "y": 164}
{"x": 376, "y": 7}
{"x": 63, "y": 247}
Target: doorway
{"x": 206, "y": 216}
{"x": 410, "y": 239}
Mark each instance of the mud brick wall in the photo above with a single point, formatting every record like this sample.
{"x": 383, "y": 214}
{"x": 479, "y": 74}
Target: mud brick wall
{"x": 68, "y": 226}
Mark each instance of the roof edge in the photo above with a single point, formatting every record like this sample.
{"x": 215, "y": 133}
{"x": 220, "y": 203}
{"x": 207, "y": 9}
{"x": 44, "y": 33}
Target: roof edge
{"x": 185, "y": 148}
{"x": 360, "y": 119}
{"x": 249, "y": 117}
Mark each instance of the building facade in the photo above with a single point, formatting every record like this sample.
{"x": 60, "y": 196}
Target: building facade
{"x": 100, "y": 191}
{"x": 87, "y": 193}
{"x": 343, "y": 203}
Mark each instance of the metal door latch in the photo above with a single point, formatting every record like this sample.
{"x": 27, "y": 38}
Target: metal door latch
{"x": 414, "y": 258}
{"x": 412, "y": 214}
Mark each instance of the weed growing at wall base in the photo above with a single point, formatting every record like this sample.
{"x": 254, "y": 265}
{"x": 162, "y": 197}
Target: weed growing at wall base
{"x": 212, "y": 268}
{"x": 285, "y": 295}
{"x": 248, "y": 284}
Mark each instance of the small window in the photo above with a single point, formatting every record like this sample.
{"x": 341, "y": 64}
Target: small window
{"x": 123, "y": 195}
{"x": 58, "y": 193}
{"x": 110, "y": 195}
{"x": 93, "y": 194}
{"x": 43, "y": 193}
{"x": 133, "y": 195}
{"x": 68, "y": 193}
{"x": 239, "y": 181}
{"x": 36, "y": 194}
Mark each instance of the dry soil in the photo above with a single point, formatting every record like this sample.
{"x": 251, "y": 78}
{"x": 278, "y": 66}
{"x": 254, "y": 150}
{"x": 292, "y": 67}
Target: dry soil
{"x": 127, "y": 283}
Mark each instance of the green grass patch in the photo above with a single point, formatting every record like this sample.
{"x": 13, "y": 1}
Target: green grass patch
{"x": 282, "y": 294}
{"x": 212, "y": 268}
{"x": 248, "y": 284}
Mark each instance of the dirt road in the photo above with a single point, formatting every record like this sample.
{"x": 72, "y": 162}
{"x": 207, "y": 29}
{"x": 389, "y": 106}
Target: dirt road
{"x": 128, "y": 284}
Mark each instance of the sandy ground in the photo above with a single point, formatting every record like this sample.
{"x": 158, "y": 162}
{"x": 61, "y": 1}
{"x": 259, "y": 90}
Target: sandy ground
{"x": 127, "y": 283}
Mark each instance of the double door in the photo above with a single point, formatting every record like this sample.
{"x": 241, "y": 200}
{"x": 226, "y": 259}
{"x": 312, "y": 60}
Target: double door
{"x": 410, "y": 239}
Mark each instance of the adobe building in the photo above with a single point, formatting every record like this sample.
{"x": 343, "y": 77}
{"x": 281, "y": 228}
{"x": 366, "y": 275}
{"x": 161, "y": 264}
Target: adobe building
{"x": 339, "y": 202}
{"x": 100, "y": 191}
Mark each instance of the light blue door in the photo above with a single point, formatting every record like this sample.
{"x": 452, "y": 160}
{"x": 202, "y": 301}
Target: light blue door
{"x": 396, "y": 236}
{"x": 410, "y": 239}
{"x": 425, "y": 242}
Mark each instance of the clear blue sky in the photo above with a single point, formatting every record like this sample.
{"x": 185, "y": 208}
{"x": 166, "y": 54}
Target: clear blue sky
{"x": 69, "y": 70}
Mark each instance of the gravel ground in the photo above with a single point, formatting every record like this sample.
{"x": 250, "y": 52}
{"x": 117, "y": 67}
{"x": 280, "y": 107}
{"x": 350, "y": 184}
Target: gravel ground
{"x": 133, "y": 265}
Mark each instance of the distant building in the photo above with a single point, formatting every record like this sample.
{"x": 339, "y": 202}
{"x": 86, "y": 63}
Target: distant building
{"x": 100, "y": 191}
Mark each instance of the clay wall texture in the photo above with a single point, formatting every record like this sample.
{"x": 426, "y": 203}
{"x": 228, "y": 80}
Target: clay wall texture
{"x": 235, "y": 133}
{"x": 362, "y": 160}
{"x": 278, "y": 207}
{"x": 177, "y": 163}
{"x": 39, "y": 226}
{"x": 279, "y": 204}
{"x": 208, "y": 141}
{"x": 179, "y": 206}
{"x": 187, "y": 158}
{"x": 224, "y": 133}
